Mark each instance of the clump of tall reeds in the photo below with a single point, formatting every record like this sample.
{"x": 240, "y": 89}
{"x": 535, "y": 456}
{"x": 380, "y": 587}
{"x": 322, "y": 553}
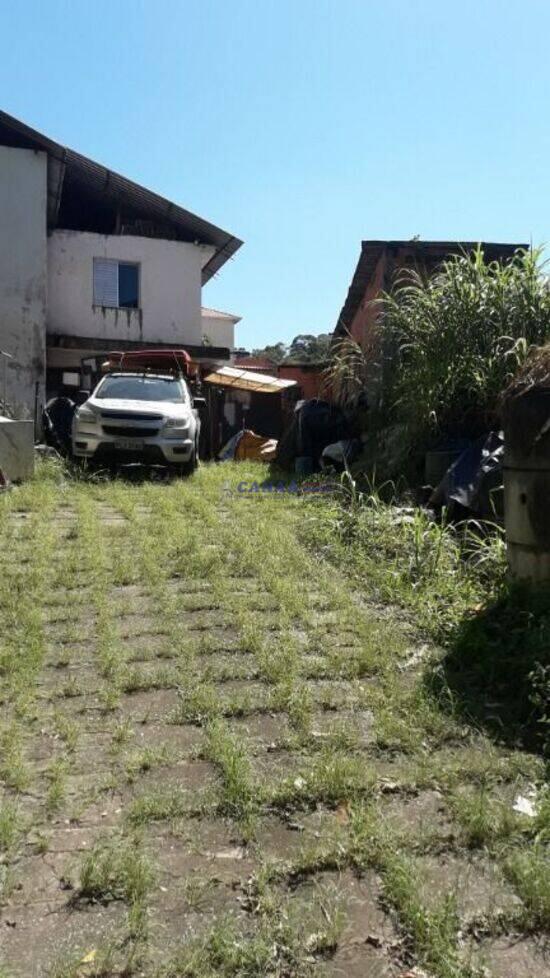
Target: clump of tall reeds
{"x": 458, "y": 338}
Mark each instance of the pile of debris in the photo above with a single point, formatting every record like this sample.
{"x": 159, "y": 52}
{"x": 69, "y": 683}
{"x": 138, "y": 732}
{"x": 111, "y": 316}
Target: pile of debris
{"x": 320, "y": 435}
{"x": 247, "y": 444}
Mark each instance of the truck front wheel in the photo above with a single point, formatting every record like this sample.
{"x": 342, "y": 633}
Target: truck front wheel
{"x": 187, "y": 468}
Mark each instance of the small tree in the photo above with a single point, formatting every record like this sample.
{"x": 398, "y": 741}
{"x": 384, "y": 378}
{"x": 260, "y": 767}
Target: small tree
{"x": 306, "y": 348}
{"x": 275, "y": 352}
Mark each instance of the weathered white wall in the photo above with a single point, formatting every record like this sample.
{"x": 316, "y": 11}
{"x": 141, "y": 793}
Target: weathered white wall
{"x": 23, "y": 278}
{"x": 170, "y": 288}
{"x": 219, "y": 330}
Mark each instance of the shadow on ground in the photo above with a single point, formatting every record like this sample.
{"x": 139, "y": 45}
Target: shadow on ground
{"x": 497, "y": 669}
{"x": 131, "y": 472}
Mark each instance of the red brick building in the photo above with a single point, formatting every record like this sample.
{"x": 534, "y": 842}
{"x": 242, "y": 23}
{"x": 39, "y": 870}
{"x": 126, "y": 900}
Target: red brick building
{"x": 380, "y": 262}
{"x": 378, "y": 265}
{"x": 308, "y": 376}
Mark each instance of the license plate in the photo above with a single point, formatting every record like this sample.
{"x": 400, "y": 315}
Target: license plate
{"x": 129, "y": 444}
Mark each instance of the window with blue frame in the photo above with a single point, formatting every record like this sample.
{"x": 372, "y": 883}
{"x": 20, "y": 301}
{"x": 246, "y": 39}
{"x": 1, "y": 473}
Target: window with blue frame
{"x": 116, "y": 283}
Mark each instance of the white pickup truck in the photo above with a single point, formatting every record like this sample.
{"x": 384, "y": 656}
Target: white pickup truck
{"x": 139, "y": 416}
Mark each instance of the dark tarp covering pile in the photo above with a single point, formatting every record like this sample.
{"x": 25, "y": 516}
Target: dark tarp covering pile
{"x": 315, "y": 424}
{"x": 472, "y": 480}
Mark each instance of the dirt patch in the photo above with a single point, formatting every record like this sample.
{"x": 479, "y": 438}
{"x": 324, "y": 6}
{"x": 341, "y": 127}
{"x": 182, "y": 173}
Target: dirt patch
{"x": 147, "y": 647}
{"x": 261, "y": 732}
{"x": 477, "y": 884}
{"x": 228, "y": 667}
{"x": 67, "y": 838}
{"x": 243, "y": 696}
{"x": 357, "y": 899}
{"x": 189, "y": 776}
{"x": 358, "y": 727}
{"x": 511, "y": 957}
{"x": 107, "y": 810}
{"x": 274, "y": 768}
{"x": 286, "y": 839}
{"x": 361, "y": 961}
{"x": 210, "y": 848}
{"x": 334, "y": 694}
{"x": 34, "y": 939}
{"x": 38, "y": 880}
{"x": 417, "y": 816}
{"x": 149, "y": 706}
{"x": 182, "y": 742}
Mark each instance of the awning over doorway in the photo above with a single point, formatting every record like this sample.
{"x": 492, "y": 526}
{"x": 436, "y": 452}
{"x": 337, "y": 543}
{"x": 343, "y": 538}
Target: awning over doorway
{"x": 247, "y": 380}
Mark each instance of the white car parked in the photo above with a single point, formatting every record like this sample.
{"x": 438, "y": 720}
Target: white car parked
{"x": 133, "y": 416}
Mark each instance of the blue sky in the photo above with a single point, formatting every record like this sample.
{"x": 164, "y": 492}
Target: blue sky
{"x": 302, "y": 126}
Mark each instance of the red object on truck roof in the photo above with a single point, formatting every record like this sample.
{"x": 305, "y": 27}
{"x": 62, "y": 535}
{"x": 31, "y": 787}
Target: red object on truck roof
{"x": 161, "y": 361}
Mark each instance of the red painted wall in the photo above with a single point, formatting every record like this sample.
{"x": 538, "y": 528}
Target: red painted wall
{"x": 309, "y": 379}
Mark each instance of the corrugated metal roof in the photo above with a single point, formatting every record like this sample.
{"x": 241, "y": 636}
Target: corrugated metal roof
{"x": 77, "y": 172}
{"x": 247, "y": 380}
{"x": 202, "y": 353}
{"x": 207, "y": 313}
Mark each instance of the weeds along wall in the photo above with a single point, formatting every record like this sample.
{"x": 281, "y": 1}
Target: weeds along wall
{"x": 455, "y": 340}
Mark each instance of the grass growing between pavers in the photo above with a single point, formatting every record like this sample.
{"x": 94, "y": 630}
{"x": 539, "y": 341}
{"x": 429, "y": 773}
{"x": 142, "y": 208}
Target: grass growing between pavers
{"x": 221, "y": 756}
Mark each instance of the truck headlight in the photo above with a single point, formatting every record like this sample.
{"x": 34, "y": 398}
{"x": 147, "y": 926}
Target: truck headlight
{"x": 85, "y": 415}
{"x": 176, "y": 423}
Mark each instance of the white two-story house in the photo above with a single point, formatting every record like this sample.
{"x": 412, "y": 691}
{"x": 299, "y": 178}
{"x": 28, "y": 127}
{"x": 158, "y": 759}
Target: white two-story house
{"x": 92, "y": 262}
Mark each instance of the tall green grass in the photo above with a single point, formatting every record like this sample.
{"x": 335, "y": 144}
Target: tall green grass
{"x": 457, "y": 338}
{"x": 452, "y": 582}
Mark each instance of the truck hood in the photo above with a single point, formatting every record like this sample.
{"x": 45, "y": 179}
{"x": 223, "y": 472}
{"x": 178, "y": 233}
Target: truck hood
{"x": 162, "y": 409}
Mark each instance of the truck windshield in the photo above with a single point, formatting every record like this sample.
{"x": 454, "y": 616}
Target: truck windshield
{"x": 143, "y": 389}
